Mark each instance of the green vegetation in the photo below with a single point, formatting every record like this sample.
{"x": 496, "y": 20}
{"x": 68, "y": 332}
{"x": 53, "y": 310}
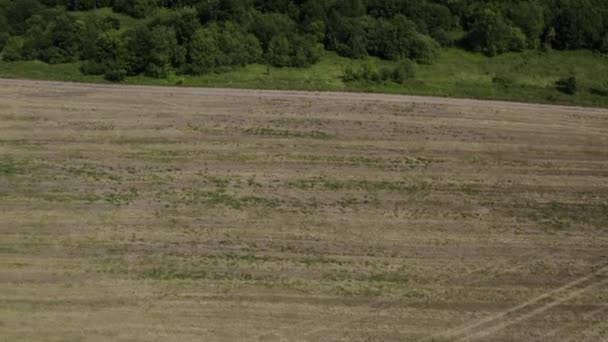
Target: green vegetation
{"x": 398, "y": 74}
{"x": 9, "y": 167}
{"x": 567, "y": 85}
{"x": 429, "y": 47}
{"x": 530, "y": 76}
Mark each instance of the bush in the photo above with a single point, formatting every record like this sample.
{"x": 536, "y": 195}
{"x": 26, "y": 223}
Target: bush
{"x": 604, "y": 44}
{"x": 386, "y": 73}
{"x": 443, "y": 38}
{"x": 12, "y": 50}
{"x": 424, "y": 50}
{"x": 278, "y": 52}
{"x": 398, "y": 74}
{"x": 3, "y": 40}
{"x": 492, "y": 34}
{"x": 91, "y": 67}
{"x": 567, "y": 85}
{"x": 218, "y": 48}
{"x": 349, "y": 74}
{"x": 403, "y": 71}
{"x": 517, "y": 40}
{"x": 347, "y": 36}
{"x": 503, "y": 81}
{"x": 599, "y": 91}
{"x": 134, "y": 8}
{"x": 115, "y": 75}
{"x": 110, "y": 23}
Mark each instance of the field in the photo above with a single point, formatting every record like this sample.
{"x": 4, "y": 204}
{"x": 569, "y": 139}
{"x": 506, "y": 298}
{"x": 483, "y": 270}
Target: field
{"x": 529, "y": 76}
{"x": 132, "y": 213}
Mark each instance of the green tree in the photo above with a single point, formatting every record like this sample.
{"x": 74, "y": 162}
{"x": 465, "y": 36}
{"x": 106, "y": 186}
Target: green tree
{"x": 204, "y": 53}
{"x": 221, "y": 47}
{"x": 529, "y": 16}
{"x": 4, "y": 36}
{"x": 304, "y": 51}
{"x": 238, "y": 47}
{"x": 424, "y": 50}
{"x": 348, "y": 36}
{"x": 279, "y": 51}
{"x": 393, "y": 39}
{"x": 12, "y": 50}
{"x": 165, "y": 53}
{"x": 269, "y": 26}
{"x": 183, "y": 20}
{"x": 134, "y": 8}
{"x": 110, "y": 54}
{"x": 138, "y": 43}
{"x": 349, "y": 8}
{"x": 579, "y": 24}
{"x": 35, "y": 39}
{"x": 225, "y": 10}
{"x": 65, "y": 34}
{"x": 604, "y": 44}
{"x": 397, "y": 39}
{"x": 18, "y": 12}
{"x": 492, "y": 34}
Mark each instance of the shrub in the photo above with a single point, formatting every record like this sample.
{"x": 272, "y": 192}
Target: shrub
{"x": 4, "y": 37}
{"x": 386, "y": 73}
{"x": 567, "y": 85}
{"x": 442, "y": 38}
{"x": 110, "y": 23}
{"x": 134, "y": 8}
{"x": 91, "y": 67}
{"x": 366, "y": 72}
{"x": 492, "y": 34}
{"x": 349, "y": 74}
{"x": 603, "y": 91}
{"x": 424, "y": 50}
{"x": 599, "y": 91}
{"x": 403, "y": 71}
{"x": 604, "y": 44}
{"x": 12, "y": 50}
{"x": 115, "y": 74}
{"x": 398, "y": 74}
{"x": 517, "y": 40}
{"x": 503, "y": 81}
{"x": 278, "y": 51}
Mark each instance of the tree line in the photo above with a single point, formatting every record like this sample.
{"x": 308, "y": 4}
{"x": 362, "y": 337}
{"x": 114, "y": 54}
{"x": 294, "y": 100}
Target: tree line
{"x": 202, "y": 36}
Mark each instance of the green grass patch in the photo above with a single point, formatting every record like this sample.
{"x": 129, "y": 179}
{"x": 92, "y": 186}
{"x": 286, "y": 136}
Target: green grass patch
{"x": 529, "y": 76}
{"x": 12, "y": 167}
{"x": 270, "y": 132}
{"x": 324, "y": 183}
{"x": 221, "y": 198}
{"x": 561, "y": 216}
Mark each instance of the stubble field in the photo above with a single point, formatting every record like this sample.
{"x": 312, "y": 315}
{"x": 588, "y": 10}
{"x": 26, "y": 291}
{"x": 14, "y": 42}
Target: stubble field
{"x": 167, "y": 214}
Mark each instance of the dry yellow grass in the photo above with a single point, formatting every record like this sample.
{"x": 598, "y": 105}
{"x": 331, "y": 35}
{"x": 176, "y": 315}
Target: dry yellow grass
{"x": 163, "y": 214}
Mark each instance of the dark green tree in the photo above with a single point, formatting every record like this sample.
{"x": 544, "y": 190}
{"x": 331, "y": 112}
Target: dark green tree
{"x": 12, "y": 49}
{"x": 134, "y": 8}
{"x": 492, "y": 34}
{"x": 18, "y": 12}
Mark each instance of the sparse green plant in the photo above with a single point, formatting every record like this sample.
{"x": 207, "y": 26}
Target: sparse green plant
{"x": 400, "y": 73}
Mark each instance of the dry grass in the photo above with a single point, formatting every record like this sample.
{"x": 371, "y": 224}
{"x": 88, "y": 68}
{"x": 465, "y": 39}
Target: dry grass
{"x": 156, "y": 214}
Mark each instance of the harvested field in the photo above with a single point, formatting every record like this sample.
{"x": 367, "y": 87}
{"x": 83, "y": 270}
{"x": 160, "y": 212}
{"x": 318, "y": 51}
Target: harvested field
{"x": 169, "y": 214}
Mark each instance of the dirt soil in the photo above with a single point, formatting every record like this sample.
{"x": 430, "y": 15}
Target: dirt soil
{"x": 131, "y": 213}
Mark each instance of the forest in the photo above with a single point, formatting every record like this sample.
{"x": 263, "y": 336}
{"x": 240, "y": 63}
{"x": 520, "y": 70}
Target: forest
{"x": 157, "y": 38}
